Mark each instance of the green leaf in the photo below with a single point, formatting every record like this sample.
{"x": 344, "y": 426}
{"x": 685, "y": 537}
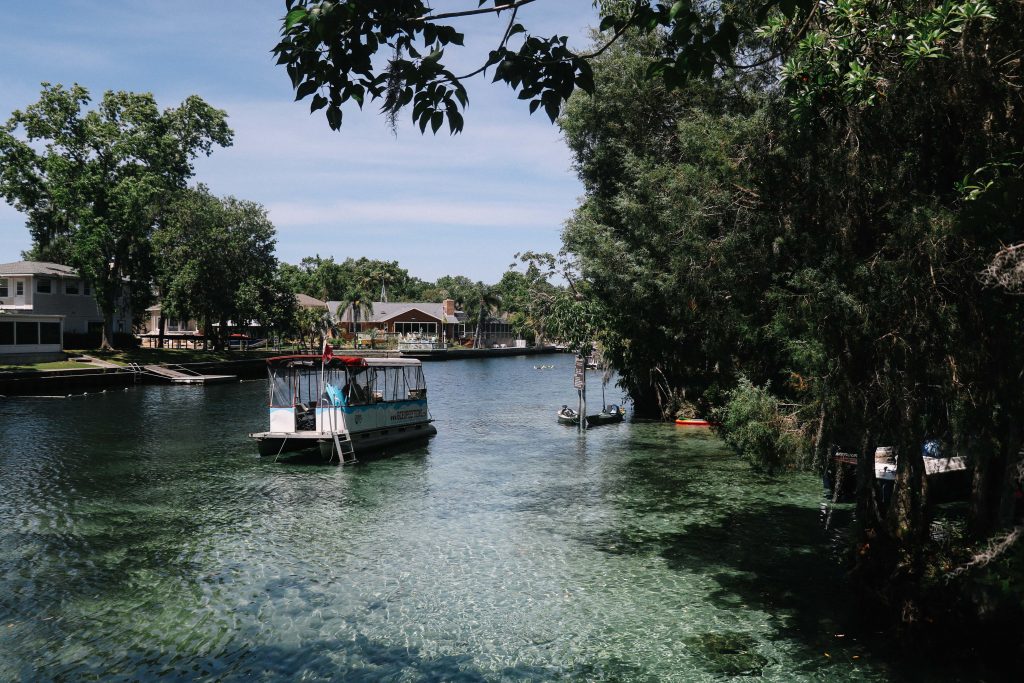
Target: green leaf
{"x": 585, "y": 77}
{"x": 334, "y": 117}
{"x": 551, "y": 108}
{"x": 305, "y": 89}
{"x": 454, "y": 122}
{"x": 319, "y": 102}
{"x": 294, "y": 17}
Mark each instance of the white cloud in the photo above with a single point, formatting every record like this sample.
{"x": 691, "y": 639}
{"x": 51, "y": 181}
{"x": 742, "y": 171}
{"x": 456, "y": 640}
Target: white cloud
{"x": 419, "y": 214}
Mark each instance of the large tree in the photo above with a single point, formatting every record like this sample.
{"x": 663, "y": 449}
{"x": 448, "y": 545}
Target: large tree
{"x": 217, "y": 264}
{"x": 829, "y": 236}
{"x": 487, "y": 301}
{"x": 525, "y": 297}
{"x": 93, "y": 183}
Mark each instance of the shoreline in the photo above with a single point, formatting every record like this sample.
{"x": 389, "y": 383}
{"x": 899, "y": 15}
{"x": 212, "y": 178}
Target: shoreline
{"x": 76, "y": 381}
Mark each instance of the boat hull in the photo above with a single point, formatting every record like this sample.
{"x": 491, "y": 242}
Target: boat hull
{"x": 603, "y": 419}
{"x": 363, "y": 443}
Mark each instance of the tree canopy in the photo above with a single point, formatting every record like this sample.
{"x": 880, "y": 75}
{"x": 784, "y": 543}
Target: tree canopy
{"x": 825, "y": 245}
{"x": 328, "y": 280}
{"x": 341, "y": 51}
{"x": 217, "y": 263}
{"x": 93, "y": 183}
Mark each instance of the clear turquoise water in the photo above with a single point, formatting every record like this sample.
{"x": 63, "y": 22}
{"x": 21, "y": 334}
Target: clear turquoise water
{"x": 144, "y": 539}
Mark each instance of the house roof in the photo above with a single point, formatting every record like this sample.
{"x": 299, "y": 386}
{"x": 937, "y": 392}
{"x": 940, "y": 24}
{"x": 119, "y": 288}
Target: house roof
{"x": 37, "y": 268}
{"x": 386, "y": 310}
{"x": 306, "y": 301}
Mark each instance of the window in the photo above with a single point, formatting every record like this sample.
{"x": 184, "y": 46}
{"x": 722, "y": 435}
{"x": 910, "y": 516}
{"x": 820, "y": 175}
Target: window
{"x": 3, "y": 287}
{"x": 71, "y": 287}
{"x": 6, "y": 333}
{"x": 85, "y": 288}
{"x": 19, "y": 288}
{"x": 43, "y": 285}
{"x": 26, "y": 333}
{"x": 49, "y": 333}
{"x": 418, "y": 329}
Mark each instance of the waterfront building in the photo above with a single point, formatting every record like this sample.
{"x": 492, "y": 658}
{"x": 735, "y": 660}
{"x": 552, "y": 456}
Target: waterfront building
{"x": 404, "y": 319}
{"x": 421, "y": 320}
{"x": 44, "y": 304}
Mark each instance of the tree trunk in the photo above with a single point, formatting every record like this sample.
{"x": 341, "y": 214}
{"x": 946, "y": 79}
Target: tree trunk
{"x": 106, "y": 297}
{"x": 160, "y": 331}
{"x": 868, "y": 515}
{"x": 478, "y": 338}
{"x": 108, "y": 332}
{"x": 218, "y": 343}
{"x": 108, "y": 305}
{"x": 995, "y": 475}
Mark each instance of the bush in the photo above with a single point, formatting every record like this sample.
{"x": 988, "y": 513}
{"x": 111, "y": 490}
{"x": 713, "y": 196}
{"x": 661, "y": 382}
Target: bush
{"x": 756, "y": 427}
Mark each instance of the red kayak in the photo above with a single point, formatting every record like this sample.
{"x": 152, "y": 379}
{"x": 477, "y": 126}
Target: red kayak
{"x": 693, "y": 423}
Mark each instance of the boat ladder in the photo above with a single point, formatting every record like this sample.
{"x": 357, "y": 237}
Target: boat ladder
{"x": 345, "y": 449}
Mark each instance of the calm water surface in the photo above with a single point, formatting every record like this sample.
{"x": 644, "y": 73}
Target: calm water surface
{"x": 144, "y": 539}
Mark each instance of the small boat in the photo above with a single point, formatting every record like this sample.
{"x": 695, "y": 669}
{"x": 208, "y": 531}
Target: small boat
{"x": 693, "y": 422}
{"x": 608, "y": 415}
{"x": 568, "y": 416}
{"x": 341, "y": 406}
{"x": 242, "y": 342}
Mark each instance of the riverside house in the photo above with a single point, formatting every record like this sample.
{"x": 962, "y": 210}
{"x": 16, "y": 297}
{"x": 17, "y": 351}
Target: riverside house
{"x": 423, "y": 320}
{"x": 41, "y": 302}
{"x": 405, "y": 319}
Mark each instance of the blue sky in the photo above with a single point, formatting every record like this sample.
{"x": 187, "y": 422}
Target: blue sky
{"x": 439, "y": 205}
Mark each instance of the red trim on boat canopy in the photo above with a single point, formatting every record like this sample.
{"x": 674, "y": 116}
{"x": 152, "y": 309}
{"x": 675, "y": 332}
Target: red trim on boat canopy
{"x": 352, "y": 361}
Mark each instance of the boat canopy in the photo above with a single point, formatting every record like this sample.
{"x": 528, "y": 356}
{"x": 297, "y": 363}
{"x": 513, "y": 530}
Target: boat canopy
{"x": 304, "y": 359}
{"x": 306, "y": 381}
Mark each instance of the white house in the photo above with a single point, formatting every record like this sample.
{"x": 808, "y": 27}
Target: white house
{"x": 45, "y": 294}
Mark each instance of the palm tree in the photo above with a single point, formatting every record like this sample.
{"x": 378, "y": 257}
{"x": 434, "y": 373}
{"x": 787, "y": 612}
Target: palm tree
{"x": 383, "y": 276}
{"x": 312, "y": 324}
{"x": 488, "y": 301}
{"x": 359, "y": 303}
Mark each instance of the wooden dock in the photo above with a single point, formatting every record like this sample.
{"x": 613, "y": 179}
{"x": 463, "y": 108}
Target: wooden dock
{"x": 180, "y": 375}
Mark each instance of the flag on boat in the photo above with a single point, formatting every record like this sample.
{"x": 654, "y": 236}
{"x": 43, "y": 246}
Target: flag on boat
{"x": 328, "y": 351}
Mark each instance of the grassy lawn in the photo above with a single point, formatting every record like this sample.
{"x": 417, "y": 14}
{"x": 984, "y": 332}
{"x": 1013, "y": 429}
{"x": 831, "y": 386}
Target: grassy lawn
{"x": 145, "y": 356}
{"x": 38, "y": 367}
